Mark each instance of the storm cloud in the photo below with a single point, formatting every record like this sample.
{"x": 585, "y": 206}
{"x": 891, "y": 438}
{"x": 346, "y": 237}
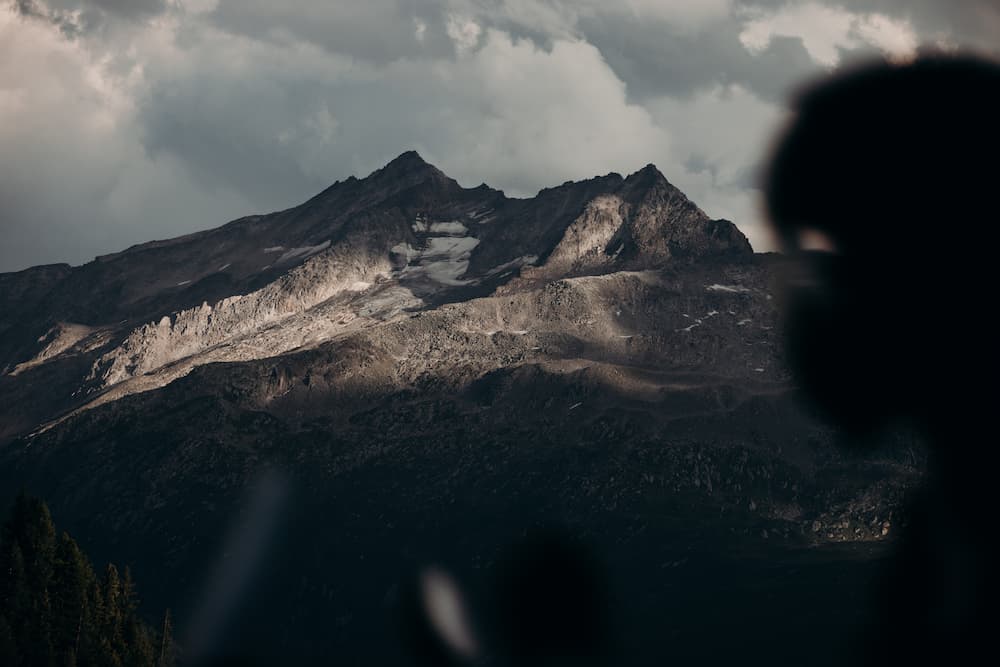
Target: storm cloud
{"x": 124, "y": 121}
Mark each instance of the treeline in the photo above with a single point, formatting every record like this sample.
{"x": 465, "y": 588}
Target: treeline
{"x": 55, "y": 611}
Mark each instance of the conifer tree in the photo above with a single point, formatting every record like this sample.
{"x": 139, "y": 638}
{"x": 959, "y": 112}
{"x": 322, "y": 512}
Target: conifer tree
{"x": 54, "y": 612}
{"x": 165, "y": 657}
{"x": 138, "y": 647}
{"x": 111, "y": 625}
{"x": 72, "y": 579}
{"x": 8, "y": 647}
{"x": 31, "y": 528}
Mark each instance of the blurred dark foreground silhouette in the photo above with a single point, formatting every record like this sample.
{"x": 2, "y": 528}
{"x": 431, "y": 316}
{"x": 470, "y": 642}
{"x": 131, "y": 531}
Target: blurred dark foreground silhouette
{"x": 894, "y": 168}
{"x": 883, "y": 190}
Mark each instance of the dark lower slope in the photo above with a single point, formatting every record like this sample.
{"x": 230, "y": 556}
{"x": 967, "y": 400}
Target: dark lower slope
{"x": 719, "y": 506}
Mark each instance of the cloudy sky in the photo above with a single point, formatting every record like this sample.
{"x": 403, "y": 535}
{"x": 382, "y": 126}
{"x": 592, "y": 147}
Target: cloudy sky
{"x": 123, "y": 121}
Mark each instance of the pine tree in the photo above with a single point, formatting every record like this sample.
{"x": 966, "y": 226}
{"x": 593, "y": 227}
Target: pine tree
{"x": 72, "y": 579}
{"x": 30, "y": 527}
{"x": 53, "y": 610}
{"x": 39, "y": 649}
{"x": 111, "y": 629}
{"x": 28, "y": 540}
{"x": 137, "y": 642}
{"x": 17, "y": 598}
{"x": 166, "y": 653}
{"x": 8, "y": 646}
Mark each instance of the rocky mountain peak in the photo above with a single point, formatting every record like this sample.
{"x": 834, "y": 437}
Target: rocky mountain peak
{"x": 408, "y": 160}
{"x": 650, "y": 173}
{"x": 424, "y": 185}
{"x": 648, "y": 179}
{"x": 408, "y": 166}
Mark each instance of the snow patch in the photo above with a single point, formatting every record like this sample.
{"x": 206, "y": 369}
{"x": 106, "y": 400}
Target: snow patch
{"x": 274, "y": 248}
{"x": 453, "y": 228}
{"x": 183, "y": 282}
{"x": 303, "y": 252}
{"x": 449, "y": 228}
{"x": 405, "y": 250}
{"x": 483, "y": 217}
{"x": 526, "y": 260}
{"x": 443, "y": 260}
{"x": 698, "y": 321}
{"x": 387, "y": 303}
{"x": 733, "y": 289}
{"x": 224, "y": 267}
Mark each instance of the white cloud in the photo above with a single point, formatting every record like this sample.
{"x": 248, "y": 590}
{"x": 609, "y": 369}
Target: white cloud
{"x": 825, "y": 30}
{"x": 464, "y": 33}
{"x": 76, "y": 180}
{"x": 894, "y": 38}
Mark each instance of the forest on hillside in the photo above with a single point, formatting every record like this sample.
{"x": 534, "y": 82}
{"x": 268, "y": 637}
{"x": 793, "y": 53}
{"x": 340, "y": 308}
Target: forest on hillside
{"x": 57, "y": 611}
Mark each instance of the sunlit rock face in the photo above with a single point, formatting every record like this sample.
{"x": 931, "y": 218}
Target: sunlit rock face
{"x": 425, "y": 365}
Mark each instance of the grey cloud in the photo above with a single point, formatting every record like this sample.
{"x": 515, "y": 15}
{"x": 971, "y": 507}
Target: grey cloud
{"x": 229, "y": 132}
{"x": 278, "y": 131}
{"x": 76, "y": 18}
{"x": 654, "y": 58}
{"x": 123, "y": 8}
{"x": 653, "y": 55}
{"x": 73, "y": 16}
{"x": 378, "y": 31}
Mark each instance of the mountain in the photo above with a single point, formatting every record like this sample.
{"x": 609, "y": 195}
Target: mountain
{"x": 416, "y": 372}
{"x": 363, "y": 251}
